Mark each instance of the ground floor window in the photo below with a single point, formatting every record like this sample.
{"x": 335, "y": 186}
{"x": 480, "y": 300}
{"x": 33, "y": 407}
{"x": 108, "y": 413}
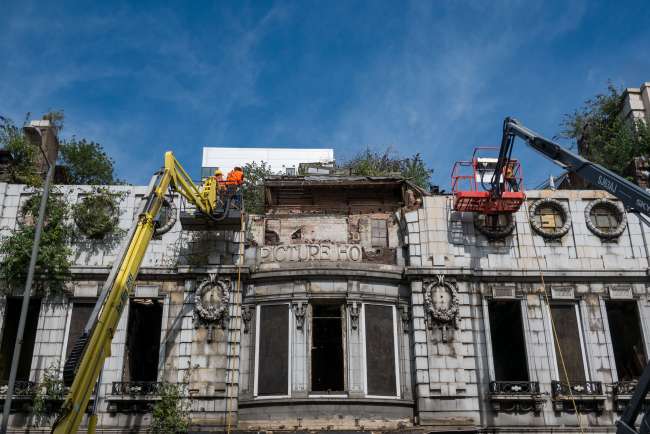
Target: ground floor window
{"x": 569, "y": 347}
{"x": 9, "y": 331}
{"x": 327, "y": 361}
{"x": 143, "y": 339}
{"x": 272, "y": 356}
{"x": 627, "y": 341}
{"x": 380, "y": 350}
{"x": 508, "y": 344}
{"x": 81, "y": 311}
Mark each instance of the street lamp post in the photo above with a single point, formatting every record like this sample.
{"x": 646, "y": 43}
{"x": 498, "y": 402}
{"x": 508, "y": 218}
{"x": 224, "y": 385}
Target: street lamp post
{"x": 46, "y": 132}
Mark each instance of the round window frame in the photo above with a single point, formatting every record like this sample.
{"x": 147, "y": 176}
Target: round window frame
{"x": 173, "y": 217}
{"x": 112, "y": 210}
{"x": 495, "y": 234}
{"x": 559, "y": 206}
{"x": 606, "y": 203}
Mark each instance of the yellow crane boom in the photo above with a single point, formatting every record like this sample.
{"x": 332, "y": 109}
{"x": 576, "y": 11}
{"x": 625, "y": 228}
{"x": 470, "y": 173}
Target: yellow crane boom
{"x": 120, "y": 284}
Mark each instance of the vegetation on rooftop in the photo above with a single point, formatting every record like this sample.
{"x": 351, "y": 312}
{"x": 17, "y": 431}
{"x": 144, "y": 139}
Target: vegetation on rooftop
{"x": 253, "y": 188}
{"x": 603, "y": 136}
{"x": 371, "y": 163}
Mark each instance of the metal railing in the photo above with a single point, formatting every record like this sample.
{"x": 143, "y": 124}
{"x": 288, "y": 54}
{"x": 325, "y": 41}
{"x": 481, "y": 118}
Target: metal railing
{"x": 133, "y": 388}
{"x": 22, "y": 388}
{"x": 514, "y": 388}
{"x": 560, "y": 388}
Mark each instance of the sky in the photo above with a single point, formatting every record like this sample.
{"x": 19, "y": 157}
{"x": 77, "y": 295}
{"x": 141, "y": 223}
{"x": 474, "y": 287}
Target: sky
{"x": 429, "y": 77}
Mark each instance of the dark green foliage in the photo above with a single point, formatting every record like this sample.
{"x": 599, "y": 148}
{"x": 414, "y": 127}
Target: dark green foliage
{"x": 369, "y": 163}
{"x": 603, "y": 136}
{"x": 97, "y": 215}
{"x": 87, "y": 163}
{"x": 170, "y": 414}
{"x": 253, "y": 188}
{"x": 22, "y": 152}
{"x": 53, "y": 263}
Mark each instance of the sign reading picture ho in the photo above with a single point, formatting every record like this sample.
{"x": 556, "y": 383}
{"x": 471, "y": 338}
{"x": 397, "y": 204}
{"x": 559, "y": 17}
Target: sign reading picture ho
{"x": 310, "y": 252}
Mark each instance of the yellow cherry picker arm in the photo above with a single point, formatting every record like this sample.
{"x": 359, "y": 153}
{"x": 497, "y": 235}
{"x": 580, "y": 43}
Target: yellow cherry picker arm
{"x": 83, "y": 367}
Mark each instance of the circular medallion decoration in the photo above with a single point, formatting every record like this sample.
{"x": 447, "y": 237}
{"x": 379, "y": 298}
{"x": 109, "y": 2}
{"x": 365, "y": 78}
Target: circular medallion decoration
{"x": 166, "y": 217}
{"x": 494, "y": 226}
{"x": 211, "y": 301}
{"x": 550, "y": 218}
{"x": 441, "y": 300}
{"x": 96, "y": 215}
{"x": 605, "y": 218}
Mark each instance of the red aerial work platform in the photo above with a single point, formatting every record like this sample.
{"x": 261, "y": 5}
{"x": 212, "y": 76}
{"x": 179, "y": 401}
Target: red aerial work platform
{"x": 476, "y": 188}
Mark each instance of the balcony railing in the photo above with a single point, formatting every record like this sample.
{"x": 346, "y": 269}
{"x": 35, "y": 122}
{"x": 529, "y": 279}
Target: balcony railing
{"x": 22, "y": 388}
{"x": 585, "y": 396}
{"x": 516, "y": 396}
{"x": 624, "y": 387}
{"x": 563, "y": 389}
{"x": 136, "y": 388}
{"x": 514, "y": 388}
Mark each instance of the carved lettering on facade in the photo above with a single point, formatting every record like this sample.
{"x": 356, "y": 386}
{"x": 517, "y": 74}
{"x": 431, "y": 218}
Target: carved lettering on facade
{"x": 310, "y": 252}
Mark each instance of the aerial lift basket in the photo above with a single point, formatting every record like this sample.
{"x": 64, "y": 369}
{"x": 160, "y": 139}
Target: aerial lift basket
{"x": 473, "y": 187}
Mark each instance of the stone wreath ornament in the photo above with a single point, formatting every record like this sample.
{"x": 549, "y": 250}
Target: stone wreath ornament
{"x": 211, "y": 303}
{"x": 442, "y": 304}
{"x": 556, "y": 205}
{"x": 614, "y": 209}
{"x": 97, "y": 215}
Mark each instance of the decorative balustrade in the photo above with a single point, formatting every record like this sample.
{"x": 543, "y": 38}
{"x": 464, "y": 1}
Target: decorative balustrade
{"x": 516, "y": 396}
{"x": 561, "y": 388}
{"x": 22, "y": 388}
{"x": 622, "y": 393}
{"x": 586, "y": 396}
{"x": 136, "y": 388}
{"x": 514, "y": 387}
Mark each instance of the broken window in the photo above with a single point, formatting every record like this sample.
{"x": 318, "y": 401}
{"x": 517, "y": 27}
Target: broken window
{"x": 549, "y": 217}
{"x": 10, "y": 329}
{"x": 143, "y": 340}
{"x": 625, "y": 330}
{"x": 508, "y": 345}
{"x": 81, "y": 311}
{"x": 379, "y": 233}
{"x": 327, "y": 348}
{"x": 271, "y": 238}
{"x": 567, "y": 327}
{"x": 381, "y": 360}
{"x": 273, "y": 350}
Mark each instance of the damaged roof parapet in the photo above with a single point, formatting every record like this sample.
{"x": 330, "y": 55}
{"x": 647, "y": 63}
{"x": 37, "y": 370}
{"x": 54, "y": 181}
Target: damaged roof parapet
{"x": 339, "y": 194}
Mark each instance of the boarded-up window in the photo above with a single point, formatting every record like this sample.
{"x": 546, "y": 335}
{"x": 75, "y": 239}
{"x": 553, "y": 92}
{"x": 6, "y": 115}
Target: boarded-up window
{"x": 625, "y": 328}
{"x": 273, "y": 350}
{"x": 379, "y": 233}
{"x": 80, "y": 313}
{"x": 565, "y": 318}
{"x": 327, "y": 348}
{"x": 143, "y": 340}
{"x": 10, "y": 329}
{"x": 508, "y": 347}
{"x": 380, "y": 350}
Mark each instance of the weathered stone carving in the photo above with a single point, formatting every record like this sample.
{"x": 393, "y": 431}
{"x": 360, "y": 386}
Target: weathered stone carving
{"x": 246, "y": 316}
{"x": 605, "y": 206}
{"x": 310, "y": 252}
{"x": 353, "y": 307}
{"x": 494, "y": 226}
{"x": 211, "y": 303}
{"x": 299, "y": 310}
{"x": 544, "y": 224}
{"x": 441, "y": 304}
{"x": 405, "y": 315}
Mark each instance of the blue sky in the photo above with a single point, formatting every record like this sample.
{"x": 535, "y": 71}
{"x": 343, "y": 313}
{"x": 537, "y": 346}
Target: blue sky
{"x": 431, "y": 77}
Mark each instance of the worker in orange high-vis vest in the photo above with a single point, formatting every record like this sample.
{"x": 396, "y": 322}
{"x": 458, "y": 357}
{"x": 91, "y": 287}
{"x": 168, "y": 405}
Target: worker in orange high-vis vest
{"x": 235, "y": 176}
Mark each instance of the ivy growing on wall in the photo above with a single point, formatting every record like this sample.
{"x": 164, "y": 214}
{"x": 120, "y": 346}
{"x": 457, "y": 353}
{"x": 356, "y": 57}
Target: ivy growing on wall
{"x": 23, "y": 153}
{"x": 53, "y": 262}
{"x": 97, "y": 215}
